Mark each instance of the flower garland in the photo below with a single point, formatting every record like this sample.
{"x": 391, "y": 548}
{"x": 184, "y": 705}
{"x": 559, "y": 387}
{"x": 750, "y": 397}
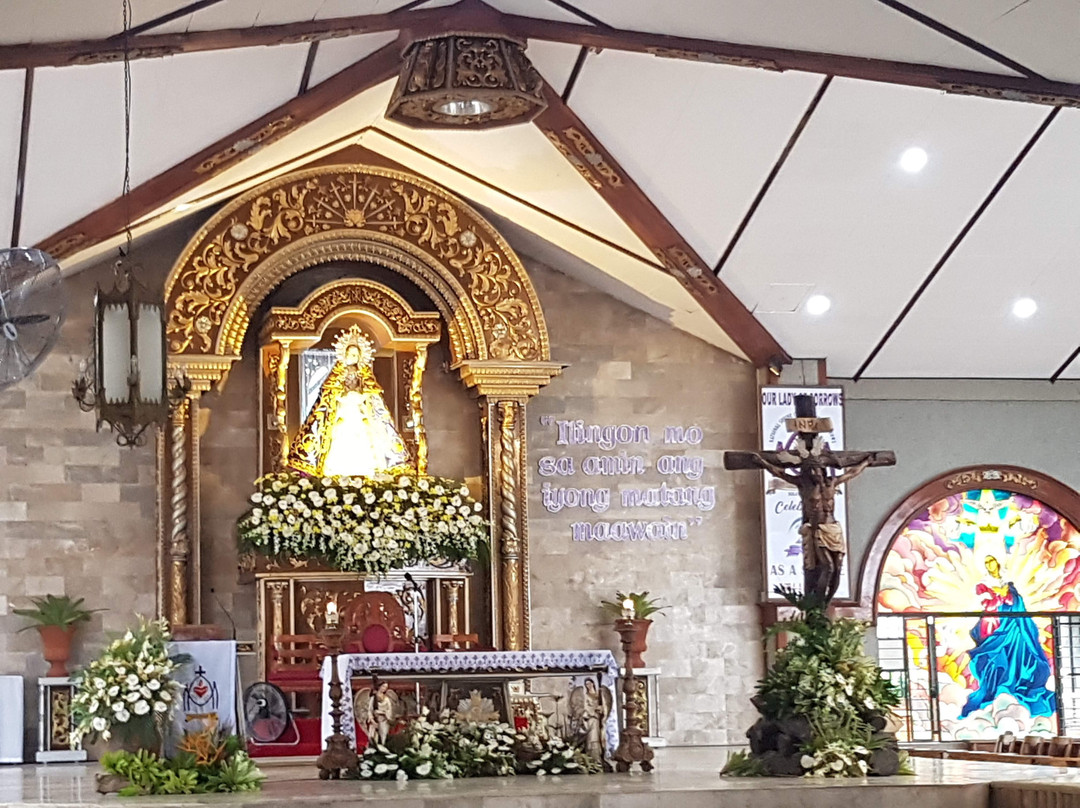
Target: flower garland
{"x": 363, "y": 524}
{"x": 447, "y": 748}
{"x": 129, "y": 688}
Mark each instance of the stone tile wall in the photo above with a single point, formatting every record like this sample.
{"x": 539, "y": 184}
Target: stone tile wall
{"x": 627, "y": 368}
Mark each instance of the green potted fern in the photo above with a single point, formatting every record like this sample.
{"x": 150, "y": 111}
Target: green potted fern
{"x": 56, "y": 617}
{"x": 635, "y": 607}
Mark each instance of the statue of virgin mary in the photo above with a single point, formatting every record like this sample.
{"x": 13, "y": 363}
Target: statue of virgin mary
{"x": 349, "y": 431}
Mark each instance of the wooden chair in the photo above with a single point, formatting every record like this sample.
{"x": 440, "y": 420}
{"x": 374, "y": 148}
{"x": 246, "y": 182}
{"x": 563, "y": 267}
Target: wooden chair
{"x": 1004, "y": 742}
{"x": 456, "y": 642}
{"x": 1060, "y": 747}
{"x": 1034, "y": 745}
{"x": 294, "y": 663}
{"x": 375, "y": 624}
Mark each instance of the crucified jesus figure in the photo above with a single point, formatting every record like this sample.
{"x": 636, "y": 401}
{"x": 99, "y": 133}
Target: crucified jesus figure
{"x": 815, "y": 471}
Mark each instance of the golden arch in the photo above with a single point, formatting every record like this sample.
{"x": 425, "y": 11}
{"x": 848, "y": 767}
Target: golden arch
{"x": 352, "y": 211}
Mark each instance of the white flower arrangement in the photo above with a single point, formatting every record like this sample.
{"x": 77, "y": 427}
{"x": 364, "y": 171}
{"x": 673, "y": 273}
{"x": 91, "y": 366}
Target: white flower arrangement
{"x": 129, "y": 687}
{"x": 363, "y": 524}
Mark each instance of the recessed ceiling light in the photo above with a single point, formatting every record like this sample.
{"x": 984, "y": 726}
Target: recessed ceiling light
{"x": 182, "y": 207}
{"x": 913, "y": 160}
{"x": 1025, "y": 307}
{"x": 817, "y": 304}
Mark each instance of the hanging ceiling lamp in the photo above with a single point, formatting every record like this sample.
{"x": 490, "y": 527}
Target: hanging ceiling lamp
{"x": 466, "y": 80}
{"x": 124, "y": 381}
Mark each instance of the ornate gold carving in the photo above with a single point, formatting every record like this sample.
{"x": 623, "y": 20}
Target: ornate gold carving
{"x": 999, "y": 94}
{"x": 277, "y": 612}
{"x": 510, "y": 545}
{"x": 573, "y": 159}
{"x": 517, "y": 380}
{"x": 217, "y": 277}
{"x": 66, "y": 245}
{"x": 59, "y": 718}
{"x": 311, "y": 316}
{"x": 968, "y": 479}
{"x": 453, "y": 595}
{"x": 684, "y": 268}
{"x": 281, "y": 405}
{"x": 593, "y": 156}
{"x": 416, "y": 408}
{"x": 714, "y": 58}
{"x": 267, "y": 134}
{"x": 99, "y": 57}
{"x": 179, "y": 546}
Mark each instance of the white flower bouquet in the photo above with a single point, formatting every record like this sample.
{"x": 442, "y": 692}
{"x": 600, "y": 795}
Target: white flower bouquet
{"x": 128, "y": 690}
{"x": 363, "y": 524}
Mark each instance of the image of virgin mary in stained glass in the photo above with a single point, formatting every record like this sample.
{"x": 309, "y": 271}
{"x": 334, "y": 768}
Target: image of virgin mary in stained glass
{"x": 1008, "y": 656}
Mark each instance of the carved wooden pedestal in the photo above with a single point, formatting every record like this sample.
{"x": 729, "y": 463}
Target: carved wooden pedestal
{"x": 632, "y": 747}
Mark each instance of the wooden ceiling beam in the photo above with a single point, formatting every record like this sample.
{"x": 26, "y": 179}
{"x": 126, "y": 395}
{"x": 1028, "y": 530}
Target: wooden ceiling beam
{"x": 602, "y": 171}
{"x": 966, "y": 82}
{"x": 110, "y": 219}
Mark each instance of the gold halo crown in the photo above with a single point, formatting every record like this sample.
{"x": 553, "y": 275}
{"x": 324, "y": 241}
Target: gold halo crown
{"x": 354, "y": 337}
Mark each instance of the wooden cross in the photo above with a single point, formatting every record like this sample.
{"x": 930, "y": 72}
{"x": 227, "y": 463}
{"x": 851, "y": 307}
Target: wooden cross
{"x": 816, "y": 471}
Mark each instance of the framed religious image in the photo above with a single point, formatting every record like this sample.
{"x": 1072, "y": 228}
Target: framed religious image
{"x": 478, "y": 701}
{"x": 782, "y": 516}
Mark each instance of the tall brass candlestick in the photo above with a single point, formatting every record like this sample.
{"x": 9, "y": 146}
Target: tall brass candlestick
{"x": 339, "y": 759}
{"x": 632, "y": 748}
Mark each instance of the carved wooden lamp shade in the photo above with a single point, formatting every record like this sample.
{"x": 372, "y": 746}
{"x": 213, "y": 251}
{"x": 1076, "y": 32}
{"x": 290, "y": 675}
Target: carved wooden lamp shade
{"x": 466, "y": 80}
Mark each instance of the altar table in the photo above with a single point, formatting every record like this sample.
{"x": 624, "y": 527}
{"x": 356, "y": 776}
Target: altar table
{"x": 507, "y": 666}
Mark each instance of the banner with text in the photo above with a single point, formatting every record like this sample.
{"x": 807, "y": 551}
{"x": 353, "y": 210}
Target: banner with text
{"x": 783, "y": 507}
{"x": 625, "y": 482}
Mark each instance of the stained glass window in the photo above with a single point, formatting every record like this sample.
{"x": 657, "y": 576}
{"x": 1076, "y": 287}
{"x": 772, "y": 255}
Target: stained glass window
{"x": 971, "y": 603}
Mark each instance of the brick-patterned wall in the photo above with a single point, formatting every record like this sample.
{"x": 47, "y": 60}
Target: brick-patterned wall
{"x": 629, "y": 368}
{"x": 77, "y": 512}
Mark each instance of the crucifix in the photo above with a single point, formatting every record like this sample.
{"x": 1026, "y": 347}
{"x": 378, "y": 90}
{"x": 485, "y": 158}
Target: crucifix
{"x": 816, "y": 471}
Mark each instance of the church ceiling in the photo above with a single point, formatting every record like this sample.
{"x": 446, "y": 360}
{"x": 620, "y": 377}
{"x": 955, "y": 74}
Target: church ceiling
{"x": 755, "y": 166}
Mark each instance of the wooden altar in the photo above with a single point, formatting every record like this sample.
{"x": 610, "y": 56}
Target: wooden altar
{"x": 484, "y": 308}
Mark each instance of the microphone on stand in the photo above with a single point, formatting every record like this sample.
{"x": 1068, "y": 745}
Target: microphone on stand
{"x": 225, "y": 611}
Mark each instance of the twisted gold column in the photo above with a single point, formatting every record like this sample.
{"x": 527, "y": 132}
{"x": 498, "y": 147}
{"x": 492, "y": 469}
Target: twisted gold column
{"x": 416, "y": 405}
{"x": 179, "y": 544}
{"x": 281, "y": 398}
{"x": 509, "y": 537}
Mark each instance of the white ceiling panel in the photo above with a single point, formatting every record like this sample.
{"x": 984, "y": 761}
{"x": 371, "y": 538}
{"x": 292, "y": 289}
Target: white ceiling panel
{"x": 844, "y": 218}
{"x": 542, "y": 9}
{"x": 11, "y": 105}
{"x": 554, "y": 61}
{"x": 698, "y": 138}
{"x": 335, "y": 55}
{"x": 249, "y": 13}
{"x": 1042, "y": 35}
{"x": 523, "y": 161}
{"x": 182, "y": 104}
{"x": 24, "y": 21}
{"x": 1024, "y": 245}
{"x": 76, "y": 158}
{"x": 851, "y": 27}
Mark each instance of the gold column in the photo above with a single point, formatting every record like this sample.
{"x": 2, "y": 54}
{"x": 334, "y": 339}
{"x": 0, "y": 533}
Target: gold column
{"x": 281, "y": 400}
{"x": 453, "y": 599}
{"x": 416, "y": 406}
{"x": 179, "y": 544}
{"x": 505, "y": 387}
{"x": 277, "y": 595}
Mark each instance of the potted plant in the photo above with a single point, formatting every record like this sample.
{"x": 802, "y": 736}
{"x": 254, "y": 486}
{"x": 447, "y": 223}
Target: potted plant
{"x": 56, "y": 618}
{"x": 129, "y": 691}
{"x": 636, "y": 608}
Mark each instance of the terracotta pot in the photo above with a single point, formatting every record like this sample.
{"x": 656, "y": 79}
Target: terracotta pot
{"x": 57, "y": 647}
{"x": 637, "y": 645}
{"x": 131, "y": 737}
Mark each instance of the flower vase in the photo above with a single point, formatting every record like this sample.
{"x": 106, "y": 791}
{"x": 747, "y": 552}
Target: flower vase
{"x": 637, "y": 644}
{"x": 56, "y": 647}
{"x": 137, "y": 734}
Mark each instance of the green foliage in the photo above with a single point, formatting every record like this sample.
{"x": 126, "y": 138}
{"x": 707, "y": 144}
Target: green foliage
{"x": 742, "y": 764}
{"x": 55, "y": 610}
{"x": 447, "y": 748}
{"x": 148, "y": 773}
{"x": 823, "y": 674}
{"x": 643, "y": 604}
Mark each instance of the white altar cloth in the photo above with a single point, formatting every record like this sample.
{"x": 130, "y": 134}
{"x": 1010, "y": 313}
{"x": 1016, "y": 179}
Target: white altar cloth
{"x": 460, "y": 664}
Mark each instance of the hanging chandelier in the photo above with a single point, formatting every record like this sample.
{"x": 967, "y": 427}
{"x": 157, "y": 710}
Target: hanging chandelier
{"x": 124, "y": 380}
{"x": 466, "y": 80}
